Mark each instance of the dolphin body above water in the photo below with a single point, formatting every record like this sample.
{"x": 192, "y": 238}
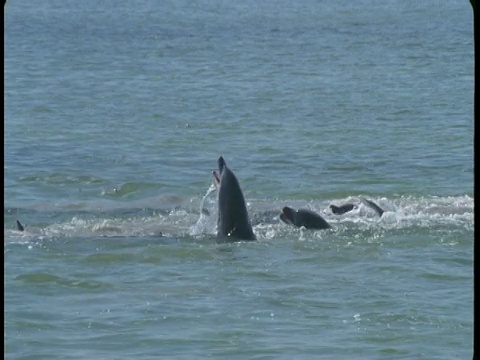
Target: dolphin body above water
{"x": 233, "y": 223}
{"x": 342, "y": 209}
{"x": 303, "y": 218}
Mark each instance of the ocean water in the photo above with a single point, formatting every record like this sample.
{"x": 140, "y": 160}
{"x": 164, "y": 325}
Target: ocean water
{"x": 115, "y": 115}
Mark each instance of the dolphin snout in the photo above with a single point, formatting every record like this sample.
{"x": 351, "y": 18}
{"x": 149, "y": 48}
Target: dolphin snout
{"x": 221, "y": 163}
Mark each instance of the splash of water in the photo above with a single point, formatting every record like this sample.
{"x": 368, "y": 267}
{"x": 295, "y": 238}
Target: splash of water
{"x": 204, "y": 222}
{"x": 203, "y": 210}
{"x": 403, "y": 215}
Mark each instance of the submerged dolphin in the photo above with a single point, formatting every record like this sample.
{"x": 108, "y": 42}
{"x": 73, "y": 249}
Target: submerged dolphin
{"x": 303, "y": 217}
{"x": 233, "y": 223}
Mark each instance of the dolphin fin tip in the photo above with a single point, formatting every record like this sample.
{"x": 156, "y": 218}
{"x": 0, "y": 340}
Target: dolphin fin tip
{"x": 20, "y": 226}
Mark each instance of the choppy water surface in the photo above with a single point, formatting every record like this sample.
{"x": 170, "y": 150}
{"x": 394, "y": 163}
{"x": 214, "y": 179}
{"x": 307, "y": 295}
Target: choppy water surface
{"x": 115, "y": 115}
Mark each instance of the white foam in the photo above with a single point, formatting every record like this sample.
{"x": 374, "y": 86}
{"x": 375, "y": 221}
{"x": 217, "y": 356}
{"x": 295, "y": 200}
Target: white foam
{"x": 404, "y": 213}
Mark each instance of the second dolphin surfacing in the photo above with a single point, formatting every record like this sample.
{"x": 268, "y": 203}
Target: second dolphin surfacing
{"x": 233, "y": 223}
{"x": 303, "y": 218}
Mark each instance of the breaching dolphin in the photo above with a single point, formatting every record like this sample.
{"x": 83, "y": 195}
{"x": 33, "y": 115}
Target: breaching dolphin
{"x": 233, "y": 223}
{"x": 303, "y": 217}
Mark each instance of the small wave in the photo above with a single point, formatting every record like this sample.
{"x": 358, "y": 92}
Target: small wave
{"x": 127, "y": 189}
{"x": 62, "y": 179}
{"x": 42, "y": 279}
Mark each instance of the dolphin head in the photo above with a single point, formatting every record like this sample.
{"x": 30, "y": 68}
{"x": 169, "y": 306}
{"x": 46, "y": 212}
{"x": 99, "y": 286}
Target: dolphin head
{"x": 222, "y": 165}
{"x": 335, "y": 209}
{"x": 342, "y": 209}
{"x": 288, "y": 215}
{"x": 303, "y": 218}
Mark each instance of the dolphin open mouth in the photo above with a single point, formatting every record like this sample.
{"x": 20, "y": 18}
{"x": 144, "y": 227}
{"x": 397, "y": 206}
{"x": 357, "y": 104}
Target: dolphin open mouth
{"x": 287, "y": 215}
{"x": 216, "y": 179}
{"x": 217, "y": 174}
